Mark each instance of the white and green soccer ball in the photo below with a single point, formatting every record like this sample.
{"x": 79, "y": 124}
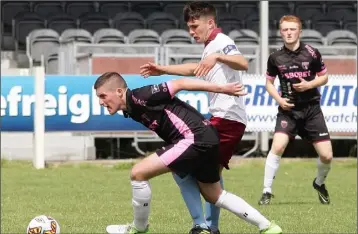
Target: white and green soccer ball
{"x": 43, "y": 224}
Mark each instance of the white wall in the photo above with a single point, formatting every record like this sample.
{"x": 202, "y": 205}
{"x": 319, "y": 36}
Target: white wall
{"x": 58, "y": 146}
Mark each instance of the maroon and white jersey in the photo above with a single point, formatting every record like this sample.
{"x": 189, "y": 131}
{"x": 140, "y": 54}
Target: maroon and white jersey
{"x": 305, "y": 62}
{"x": 222, "y": 105}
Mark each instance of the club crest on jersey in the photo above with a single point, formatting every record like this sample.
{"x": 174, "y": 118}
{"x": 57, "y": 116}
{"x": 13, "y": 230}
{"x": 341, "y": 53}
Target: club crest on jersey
{"x": 305, "y": 65}
{"x": 284, "y": 123}
{"x": 229, "y": 48}
{"x": 155, "y": 89}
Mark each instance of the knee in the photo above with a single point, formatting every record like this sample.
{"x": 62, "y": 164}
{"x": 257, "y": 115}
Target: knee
{"x": 278, "y": 149}
{"x": 211, "y": 198}
{"x": 137, "y": 174}
{"x": 326, "y": 157}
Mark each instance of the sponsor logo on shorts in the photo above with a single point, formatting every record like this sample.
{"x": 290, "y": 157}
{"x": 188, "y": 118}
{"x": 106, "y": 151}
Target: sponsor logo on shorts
{"x": 323, "y": 134}
{"x": 284, "y": 123}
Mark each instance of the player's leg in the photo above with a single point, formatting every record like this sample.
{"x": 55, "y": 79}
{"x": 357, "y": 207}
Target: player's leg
{"x": 230, "y": 134}
{"x": 144, "y": 170}
{"x": 284, "y": 131}
{"x": 191, "y": 194}
{"x": 211, "y": 190}
{"x": 317, "y": 132}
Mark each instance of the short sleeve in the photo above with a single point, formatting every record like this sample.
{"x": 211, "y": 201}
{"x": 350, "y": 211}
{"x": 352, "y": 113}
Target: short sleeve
{"x": 229, "y": 47}
{"x": 272, "y": 70}
{"x": 318, "y": 65}
{"x": 153, "y": 94}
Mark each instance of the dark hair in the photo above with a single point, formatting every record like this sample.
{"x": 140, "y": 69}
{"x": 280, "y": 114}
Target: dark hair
{"x": 194, "y": 10}
{"x": 115, "y": 77}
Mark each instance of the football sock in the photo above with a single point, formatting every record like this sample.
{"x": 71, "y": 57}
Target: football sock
{"x": 141, "y": 198}
{"x": 191, "y": 194}
{"x": 242, "y": 209}
{"x": 212, "y": 213}
{"x": 322, "y": 171}
{"x": 271, "y": 166}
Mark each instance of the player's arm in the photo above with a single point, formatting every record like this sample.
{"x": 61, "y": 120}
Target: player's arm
{"x": 236, "y": 62}
{"x": 271, "y": 73}
{"x": 151, "y": 69}
{"x": 234, "y": 89}
{"x": 232, "y": 57}
{"x": 321, "y": 72}
{"x": 271, "y": 89}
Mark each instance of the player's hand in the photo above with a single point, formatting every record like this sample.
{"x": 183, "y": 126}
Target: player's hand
{"x": 285, "y": 105}
{"x": 302, "y": 86}
{"x": 206, "y": 65}
{"x": 234, "y": 89}
{"x": 150, "y": 69}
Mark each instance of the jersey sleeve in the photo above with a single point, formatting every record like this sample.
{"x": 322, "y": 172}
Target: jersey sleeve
{"x": 229, "y": 47}
{"x": 153, "y": 94}
{"x": 272, "y": 70}
{"x": 318, "y": 65}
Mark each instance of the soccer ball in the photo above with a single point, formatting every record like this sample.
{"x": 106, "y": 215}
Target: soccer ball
{"x": 43, "y": 224}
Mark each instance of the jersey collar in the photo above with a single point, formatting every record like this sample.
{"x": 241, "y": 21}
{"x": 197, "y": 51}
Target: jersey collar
{"x": 213, "y": 35}
{"x": 296, "y": 51}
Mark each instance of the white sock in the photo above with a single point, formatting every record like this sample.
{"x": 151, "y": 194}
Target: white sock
{"x": 242, "y": 209}
{"x": 322, "y": 171}
{"x": 271, "y": 166}
{"x": 142, "y": 195}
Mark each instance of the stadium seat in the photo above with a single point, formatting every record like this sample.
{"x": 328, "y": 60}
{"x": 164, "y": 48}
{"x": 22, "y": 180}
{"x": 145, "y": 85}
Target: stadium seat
{"x": 190, "y": 60}
{"x": 146, "y": 8}
{"x": 325, "y": 23}
{"x": 93, "y": 21}
{"x": 23, "y": 24}
{"x": 108, "y": 35}
{"x": 61, "y": 22}
{"x": 46, "y": 9}
{"x": 254, "y": 24}
{"x": 275, "y": 37}
{"x": 307, "y": 10}
{"x": 143, "y": 36}
{"x": 244, "y": 37}
{"x": 242, "y": 9}
{"x": 229, "y": 22}
{"x": 52, "y": 64}
{"x": 312, "y": 37}
{"x": 351, "y": 26}
{"x": 73, "y": 34}
{"x": 128, "y": 21}
{"x": 43, "y": 42}
{"x": 161, "y": 21}
{"x": 279, "y": 9}
{"x": 341, "y": 37}
{"x": 113, "y": 8}
{"x": 221, "y": 7}
{"x": 79, "y": 8}
{"x": 175, "y": 8}
{"x": 9, "y": 10}
{"x": 176, "y": 36}
{"x": 342, "y": 8}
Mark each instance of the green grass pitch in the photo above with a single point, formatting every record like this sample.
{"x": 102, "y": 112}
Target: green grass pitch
{"x": 85, "y": 198}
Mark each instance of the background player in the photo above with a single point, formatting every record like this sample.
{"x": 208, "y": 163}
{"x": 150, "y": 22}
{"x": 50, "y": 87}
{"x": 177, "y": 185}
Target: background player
{"x": 301, "y": 70}
{"x": 192, "y": 144}
{"x": 221, "y": 62}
